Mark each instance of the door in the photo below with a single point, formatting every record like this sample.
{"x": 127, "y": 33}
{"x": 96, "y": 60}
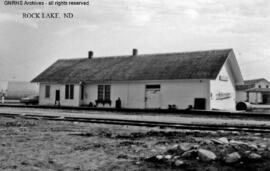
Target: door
{"x": 57, "y": 95}
{"x": 265, "y": 98}
{"x": 152, "y": 96}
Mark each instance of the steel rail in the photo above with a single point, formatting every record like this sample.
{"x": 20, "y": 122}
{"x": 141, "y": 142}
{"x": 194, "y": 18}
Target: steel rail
{"x": 188, "y": 126}
{"x": 130, "y": 111}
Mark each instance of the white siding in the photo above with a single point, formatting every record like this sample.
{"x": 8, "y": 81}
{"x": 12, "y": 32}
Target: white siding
{"x": 217, "y": 86}
{"x": 255, "y": 97}
{"x": 241, "y": 96}
{"x": 132, "y": 94}
{"x": 51, "y": 100}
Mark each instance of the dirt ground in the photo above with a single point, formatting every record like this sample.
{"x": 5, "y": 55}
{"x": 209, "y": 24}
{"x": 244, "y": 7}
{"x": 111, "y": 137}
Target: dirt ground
{"x": 49, "y": 145}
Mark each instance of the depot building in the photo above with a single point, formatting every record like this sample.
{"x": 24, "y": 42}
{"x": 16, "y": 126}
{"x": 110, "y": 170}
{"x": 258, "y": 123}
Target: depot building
{"x": 199, "y": 80}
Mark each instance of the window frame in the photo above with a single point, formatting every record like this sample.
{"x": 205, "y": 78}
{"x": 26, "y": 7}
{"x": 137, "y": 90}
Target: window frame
{"x": 47, "y": 91}
{"x": 104, "y": 92}
{"x": 69, "y": 91}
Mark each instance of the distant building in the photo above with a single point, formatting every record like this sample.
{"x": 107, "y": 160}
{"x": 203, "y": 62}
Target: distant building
{"x": 256, "y": 91}
{"x": 19, "y": 89}
{"x": 3, "y": 87}
{"x": 201, "y": 79}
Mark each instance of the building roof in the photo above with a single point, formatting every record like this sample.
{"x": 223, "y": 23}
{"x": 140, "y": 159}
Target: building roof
{"x": 265, "y": 90}
{"x": 248, "y": 84}
{"x": 244, "y": 86}
{"x": 254, "y": 81}
{"x": 167, "y": 66}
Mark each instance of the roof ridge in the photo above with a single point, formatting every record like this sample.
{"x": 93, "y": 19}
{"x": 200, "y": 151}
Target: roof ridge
{"x": 255, "y": 79}
{"x": 146, "y": 54}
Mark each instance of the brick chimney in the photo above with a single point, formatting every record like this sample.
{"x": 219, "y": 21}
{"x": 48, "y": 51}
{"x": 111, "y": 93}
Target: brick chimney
{"x": 90, "y": 54}
{"x": 134, "y": 52}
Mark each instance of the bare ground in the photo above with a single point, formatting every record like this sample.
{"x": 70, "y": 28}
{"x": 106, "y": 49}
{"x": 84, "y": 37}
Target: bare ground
{"x": 49, "y": 145}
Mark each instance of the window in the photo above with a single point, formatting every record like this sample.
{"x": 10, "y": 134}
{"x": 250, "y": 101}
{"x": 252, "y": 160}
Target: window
{"x": 100, "y": 92}
{"x": 104, "y": 92}
{"x": 259, "y": 86}
{"x": 47, "y": 91}
{"x": 153, "y": 86}
{"x": 107, "y": 92}
{"x": 69, "y": 92}
{"x": 267, "y": 86}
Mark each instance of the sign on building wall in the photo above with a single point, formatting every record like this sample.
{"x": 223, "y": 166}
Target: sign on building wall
{"x": 223, "y": 78}
{"x": 221, "y": 96}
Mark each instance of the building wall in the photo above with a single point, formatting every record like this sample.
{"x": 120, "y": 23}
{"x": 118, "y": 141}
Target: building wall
{"x": 223, "y": 92}
{"x": 253, "y": 97}
{"x": 51, "y": 100}
{"x": 132, "y": 94}
{"x": 241, "y": 96}
{"x": 263, "y": 84}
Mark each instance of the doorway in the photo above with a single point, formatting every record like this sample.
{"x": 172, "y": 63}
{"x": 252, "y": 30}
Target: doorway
{"x": 265, "y": 98}
{"x": 57, "y": 97}
{"x": 152, "y": 96}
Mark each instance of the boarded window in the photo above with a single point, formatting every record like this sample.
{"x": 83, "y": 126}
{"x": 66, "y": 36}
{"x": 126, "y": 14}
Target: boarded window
{"x": 47, "y": 91}
{"x": 69, "y": 92}
{"x": 104, "y": 92}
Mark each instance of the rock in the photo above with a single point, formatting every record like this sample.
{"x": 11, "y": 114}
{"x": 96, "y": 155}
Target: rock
{"x": 261, "y": 145}
{"x": 180, "y": 149}
{"x": 246, "y": 153}
{"x": 168, "y": 157}
{"x": 216, "y": 141}
{"x": 224, "y": 140}
{"x": 179, "y": 163}
{"x": 159, "y": 157}
{"x": 190, "y": 154}
{"x": 257, "y": 134}
{"x": 153, "y": 150}
{"x": 175, "y": 157}
{"x": 221, "y": 131}
{"x": 254, "y": 156}
{"x": 207, "y": 142}
{"x": 232, "y": 158}
{"x": 237, "y": 142}
{"x": 175, "y": 146}
{"x": 185, "y": 147}
{"x": 206, "y": 155}
{"x": 137, "y": 163}
{"x": 253, "y": 146}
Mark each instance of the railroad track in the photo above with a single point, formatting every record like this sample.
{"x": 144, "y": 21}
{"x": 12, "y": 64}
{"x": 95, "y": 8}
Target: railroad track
{"x": 209, "y": 113}
{"x": 175, "y": 125}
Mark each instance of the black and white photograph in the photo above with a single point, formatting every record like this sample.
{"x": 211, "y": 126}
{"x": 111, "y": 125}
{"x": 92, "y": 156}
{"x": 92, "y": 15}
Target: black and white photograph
{"x": 134, "y": 85}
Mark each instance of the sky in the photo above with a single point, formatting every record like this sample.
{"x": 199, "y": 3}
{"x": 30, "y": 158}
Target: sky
{"x": 29, "y": 46}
